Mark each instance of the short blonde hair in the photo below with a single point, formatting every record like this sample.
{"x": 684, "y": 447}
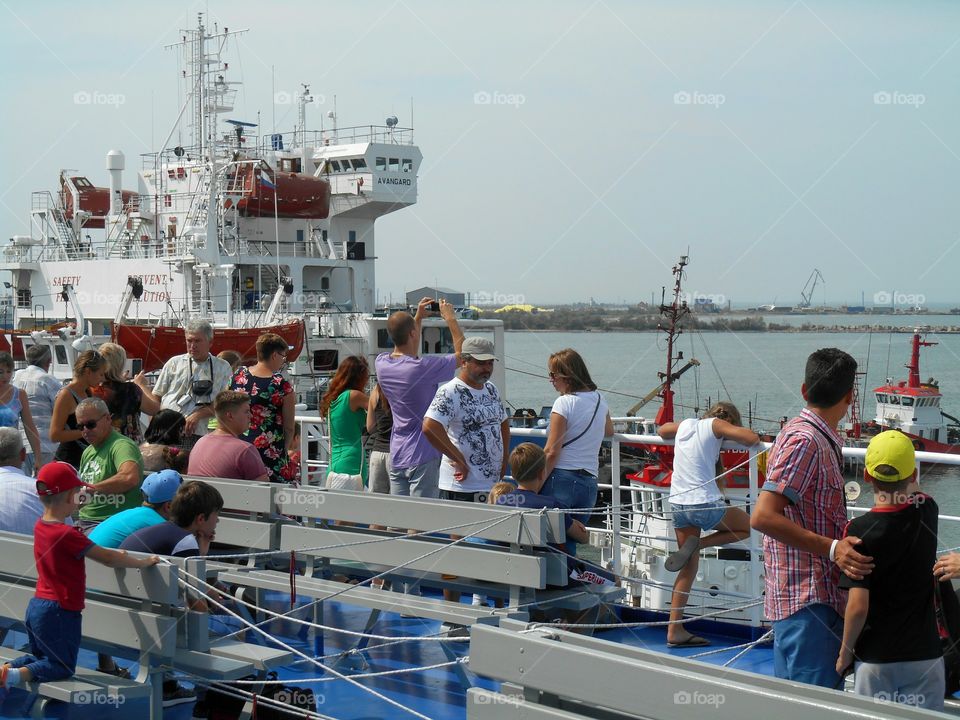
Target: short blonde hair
{"x": 116, "y": 358}
{"x": 500, "y": 488}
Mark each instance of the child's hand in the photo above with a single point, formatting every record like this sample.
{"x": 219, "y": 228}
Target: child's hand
{"x": 844, "y": 662}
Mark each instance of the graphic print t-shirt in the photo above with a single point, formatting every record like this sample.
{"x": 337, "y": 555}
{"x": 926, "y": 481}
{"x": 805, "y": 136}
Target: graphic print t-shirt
{"x": 472, "y": 419}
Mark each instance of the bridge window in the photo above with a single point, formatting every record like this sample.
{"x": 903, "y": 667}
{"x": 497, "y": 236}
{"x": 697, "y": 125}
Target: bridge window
{"x": 335, "y": 165}
{"x": 394, "y": 164}
{"x": 407, "y": 165}
{"x": 881, "y": 397}
{"x": 381, "y": 163}
{"x": 359, "y": 164}
{"x": 907, "y": 402}
{"x": 894, "y": 399}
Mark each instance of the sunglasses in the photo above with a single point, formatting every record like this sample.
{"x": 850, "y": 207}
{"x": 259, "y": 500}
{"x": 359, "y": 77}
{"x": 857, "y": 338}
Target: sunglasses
{"x": 90, "y": 424}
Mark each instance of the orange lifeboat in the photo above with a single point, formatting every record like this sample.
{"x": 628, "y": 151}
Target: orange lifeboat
{"x": 94, "y": 200}
{"x": 284, "y": 194}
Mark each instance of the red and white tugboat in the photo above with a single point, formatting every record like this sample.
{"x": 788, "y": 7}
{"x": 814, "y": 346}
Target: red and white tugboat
{"x": 913, "y": 407}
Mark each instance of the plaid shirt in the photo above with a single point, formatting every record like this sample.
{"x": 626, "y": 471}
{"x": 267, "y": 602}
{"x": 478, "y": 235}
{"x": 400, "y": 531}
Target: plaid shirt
{"x": 803, "y": 468}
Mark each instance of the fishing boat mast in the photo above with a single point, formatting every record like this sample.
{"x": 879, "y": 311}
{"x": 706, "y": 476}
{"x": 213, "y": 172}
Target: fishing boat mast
{"x": 674, "y": 312}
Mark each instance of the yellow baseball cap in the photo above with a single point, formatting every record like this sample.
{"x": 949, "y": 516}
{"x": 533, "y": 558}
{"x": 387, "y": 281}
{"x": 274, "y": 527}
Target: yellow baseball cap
{"x": 890, "y": 457}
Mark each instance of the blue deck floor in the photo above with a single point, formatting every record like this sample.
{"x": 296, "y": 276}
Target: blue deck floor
{"x": 435, "y": 693}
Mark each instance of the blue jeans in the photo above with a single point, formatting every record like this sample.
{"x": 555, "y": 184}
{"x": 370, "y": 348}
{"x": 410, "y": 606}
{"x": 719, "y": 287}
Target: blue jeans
{"x": 417, "y": 481}
{"x": 54, "y": 635}
{"x": 575, "y": 489}
{"x": 806, "y": 646}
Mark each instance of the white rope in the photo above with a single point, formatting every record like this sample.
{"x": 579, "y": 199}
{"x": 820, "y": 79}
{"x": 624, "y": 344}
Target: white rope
{"x": 293, "y": 650}
{"x": 382, "y": 673}
{"x": 438, "y": 549}
{"x": 745, "y": 646}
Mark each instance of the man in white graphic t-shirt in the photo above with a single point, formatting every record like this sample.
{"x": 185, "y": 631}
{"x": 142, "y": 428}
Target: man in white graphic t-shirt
{"x": 467, "y": 423}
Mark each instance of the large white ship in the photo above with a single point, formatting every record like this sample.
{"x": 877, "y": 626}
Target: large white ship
{"x": 250, "y": 230}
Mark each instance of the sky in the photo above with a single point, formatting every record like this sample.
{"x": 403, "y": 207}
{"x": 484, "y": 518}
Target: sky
{"x": 572, "y": 150}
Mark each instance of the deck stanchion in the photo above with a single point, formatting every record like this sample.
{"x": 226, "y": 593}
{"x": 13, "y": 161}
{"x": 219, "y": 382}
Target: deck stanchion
{"x": 615, "y": 501}
{"x": 755, "y": 568}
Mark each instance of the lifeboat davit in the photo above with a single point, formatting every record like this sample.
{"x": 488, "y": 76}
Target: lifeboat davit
{"x": 154, "y": 345}
{"x": 296, "y": 195}
{"x": 94, "y": 200}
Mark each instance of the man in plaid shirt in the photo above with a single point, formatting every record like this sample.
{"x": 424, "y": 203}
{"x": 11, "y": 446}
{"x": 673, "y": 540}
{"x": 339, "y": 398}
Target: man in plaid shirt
{"x": 802, "y": 513}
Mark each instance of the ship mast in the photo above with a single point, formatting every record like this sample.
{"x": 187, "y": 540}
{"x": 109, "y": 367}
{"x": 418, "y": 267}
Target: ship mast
{"x": 673, "y": 314}
{"x": 913, "y": 379}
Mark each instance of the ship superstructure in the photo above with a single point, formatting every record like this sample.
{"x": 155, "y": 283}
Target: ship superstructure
{"x": 247, "y": 229}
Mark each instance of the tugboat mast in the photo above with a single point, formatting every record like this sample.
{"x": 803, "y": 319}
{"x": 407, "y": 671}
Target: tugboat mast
{"x": 674, "y": 312}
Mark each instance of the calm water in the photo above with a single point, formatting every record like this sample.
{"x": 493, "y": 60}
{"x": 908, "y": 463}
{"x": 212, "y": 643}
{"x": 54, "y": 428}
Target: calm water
{"x": 764, "y": 369}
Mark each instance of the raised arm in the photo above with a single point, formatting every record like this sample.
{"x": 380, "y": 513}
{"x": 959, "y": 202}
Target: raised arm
{"x": 450, "y": 317}
{"x": 668, "y": 431}
{"x": 149, "y": 399}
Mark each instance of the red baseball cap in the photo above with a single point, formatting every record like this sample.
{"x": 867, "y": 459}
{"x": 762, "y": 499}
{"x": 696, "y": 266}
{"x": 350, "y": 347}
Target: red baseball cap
{"x": 58, "y": 477}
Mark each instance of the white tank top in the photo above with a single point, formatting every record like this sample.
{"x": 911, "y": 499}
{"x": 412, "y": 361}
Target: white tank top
{"x": 694, "y": 463}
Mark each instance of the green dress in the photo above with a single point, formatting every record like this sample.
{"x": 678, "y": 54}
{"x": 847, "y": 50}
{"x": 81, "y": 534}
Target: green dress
{"x": 346, "y": 437}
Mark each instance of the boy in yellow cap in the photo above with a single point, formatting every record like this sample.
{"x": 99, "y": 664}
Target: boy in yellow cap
{"x": 890, "y": 627}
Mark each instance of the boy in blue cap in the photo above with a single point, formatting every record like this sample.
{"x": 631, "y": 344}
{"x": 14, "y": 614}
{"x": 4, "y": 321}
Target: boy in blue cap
{"x": 890, "y": 626}
{"x": 158, "y": 490}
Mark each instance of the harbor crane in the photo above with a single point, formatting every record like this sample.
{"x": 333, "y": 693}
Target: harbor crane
{"x": 807, "y": 296}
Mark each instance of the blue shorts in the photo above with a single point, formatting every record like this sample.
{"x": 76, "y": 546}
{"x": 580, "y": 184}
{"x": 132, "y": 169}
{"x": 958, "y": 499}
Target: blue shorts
{"x": 806, "y": 645}
{"x": 701, "y": 515}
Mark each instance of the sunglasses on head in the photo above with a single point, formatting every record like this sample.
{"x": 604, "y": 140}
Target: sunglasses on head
{"x": 90, "y": 424}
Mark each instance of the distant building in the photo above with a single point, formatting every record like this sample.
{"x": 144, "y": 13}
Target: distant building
{"x": 454, "y": 297}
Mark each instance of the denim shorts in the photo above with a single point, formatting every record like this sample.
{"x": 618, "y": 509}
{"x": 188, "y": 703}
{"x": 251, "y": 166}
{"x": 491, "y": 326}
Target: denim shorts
{"x": 701, "y": 515}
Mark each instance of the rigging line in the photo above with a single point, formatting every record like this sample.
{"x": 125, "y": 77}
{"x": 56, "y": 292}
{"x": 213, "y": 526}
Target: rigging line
{"x": 603, "y": 390}
{"x": 715, "y": 368}
{"x": 295, "y": 651}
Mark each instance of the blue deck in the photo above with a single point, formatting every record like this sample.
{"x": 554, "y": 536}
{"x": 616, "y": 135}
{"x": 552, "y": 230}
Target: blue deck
{"x": 435, "y": 693}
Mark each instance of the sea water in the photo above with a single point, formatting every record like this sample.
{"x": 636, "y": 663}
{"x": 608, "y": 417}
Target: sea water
{"x": 762, "y": 370}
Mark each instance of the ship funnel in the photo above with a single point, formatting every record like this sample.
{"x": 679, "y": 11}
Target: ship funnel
{"x": 115, "y": 166}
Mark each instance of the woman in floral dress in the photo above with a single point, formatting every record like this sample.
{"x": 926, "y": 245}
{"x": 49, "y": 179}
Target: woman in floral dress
{"x": 272, "y": 421}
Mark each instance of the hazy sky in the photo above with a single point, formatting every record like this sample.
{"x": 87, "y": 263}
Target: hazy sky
{"x": 768, "y": 137}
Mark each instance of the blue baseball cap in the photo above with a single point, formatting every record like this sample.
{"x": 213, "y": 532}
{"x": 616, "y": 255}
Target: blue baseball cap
{"x": 160, "y": 487}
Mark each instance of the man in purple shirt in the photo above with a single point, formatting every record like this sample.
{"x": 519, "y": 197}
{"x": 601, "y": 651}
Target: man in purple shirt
{"x": 802, "y": 512}
{"x": 409, "y": 383}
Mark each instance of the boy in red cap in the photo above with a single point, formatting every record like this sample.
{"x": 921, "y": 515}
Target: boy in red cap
{"x": 53, "y": 615}
{"x": 890, "y": 626}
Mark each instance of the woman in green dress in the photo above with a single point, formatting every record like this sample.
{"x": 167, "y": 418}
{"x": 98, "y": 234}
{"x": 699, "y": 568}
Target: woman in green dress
{"x": 345, "y": 407}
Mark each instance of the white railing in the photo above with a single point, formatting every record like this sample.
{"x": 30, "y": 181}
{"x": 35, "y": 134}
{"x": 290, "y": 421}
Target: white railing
{"x": 313, "y": 428}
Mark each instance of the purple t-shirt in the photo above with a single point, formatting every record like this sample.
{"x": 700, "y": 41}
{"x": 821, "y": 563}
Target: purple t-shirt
{"x": 410, "y": 384}
{"x": 224, "y": 456}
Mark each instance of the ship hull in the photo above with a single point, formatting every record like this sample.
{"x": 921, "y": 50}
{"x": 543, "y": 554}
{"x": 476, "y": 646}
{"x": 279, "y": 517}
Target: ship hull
{"x": 154, "y": 345}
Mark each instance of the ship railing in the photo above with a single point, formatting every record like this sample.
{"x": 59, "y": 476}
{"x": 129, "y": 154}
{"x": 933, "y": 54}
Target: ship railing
{"x": 319, "y": 139}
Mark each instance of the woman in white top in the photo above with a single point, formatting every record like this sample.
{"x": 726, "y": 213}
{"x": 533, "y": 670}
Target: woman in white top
{"x": 698, "y": 504}
{"x": 579, "y": 421}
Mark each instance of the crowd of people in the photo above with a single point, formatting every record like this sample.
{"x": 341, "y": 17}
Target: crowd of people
{"x": 841, "y": 597}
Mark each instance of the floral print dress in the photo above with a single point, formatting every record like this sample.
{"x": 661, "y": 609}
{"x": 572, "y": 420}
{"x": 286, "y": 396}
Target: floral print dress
{"x": 266, "y": 421}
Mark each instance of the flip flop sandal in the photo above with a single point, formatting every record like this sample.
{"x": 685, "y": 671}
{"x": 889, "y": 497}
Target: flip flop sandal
{"x": 676, "y": 560}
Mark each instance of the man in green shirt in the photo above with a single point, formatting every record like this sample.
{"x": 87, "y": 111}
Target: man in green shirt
{"x": 112, "y": 463}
